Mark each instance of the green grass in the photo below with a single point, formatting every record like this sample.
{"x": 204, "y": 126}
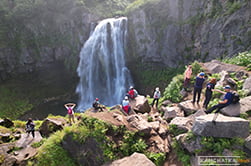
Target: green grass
{"x": 242, "y": 59}
{"x": 12, "y": 104}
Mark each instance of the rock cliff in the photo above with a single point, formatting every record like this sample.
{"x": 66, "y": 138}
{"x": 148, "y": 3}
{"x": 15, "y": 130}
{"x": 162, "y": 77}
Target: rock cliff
{"x": 171, "y": 32}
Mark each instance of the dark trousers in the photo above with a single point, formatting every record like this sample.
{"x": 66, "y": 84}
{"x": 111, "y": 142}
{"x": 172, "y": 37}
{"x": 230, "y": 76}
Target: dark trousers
{"x": 186, "y": 82}
{"x": 32, "y": 133}
{"x": 196, "y": 91}
{"x": 157, "y": 101}
{"x": 208, "y": 97}
{"x": 218, "y": 107}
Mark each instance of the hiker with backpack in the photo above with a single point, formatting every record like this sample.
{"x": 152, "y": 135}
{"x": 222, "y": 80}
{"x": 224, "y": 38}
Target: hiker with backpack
{"x": 198, "y": 87}
{"x": 209, "y": 91}
{"x": 228, "y": 99}
{"x": 30, "y": 127}
{"x": 70, "y": 112}
{"x": 156, "y": 97}
{"x": 125, "y": 105}
{"x": 132, "y": 93}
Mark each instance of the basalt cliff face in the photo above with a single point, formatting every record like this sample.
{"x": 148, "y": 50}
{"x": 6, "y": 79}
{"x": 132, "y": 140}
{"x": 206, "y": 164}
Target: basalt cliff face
{"x": 171, "y": 32}
{"x": 164, "y": 32}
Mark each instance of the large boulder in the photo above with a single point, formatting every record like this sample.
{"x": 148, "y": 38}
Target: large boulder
{"x": 51, "y": 125}
{"x": 139, "y": 123}
{"x": 88, "y": 153}
{"x": 172, "y": 112}
{"x": 224, "y": 126}
{"x": 247, "y": 85}
{"x": 6, "y": 123}
{"x": 216, "y": 66}
{"x": 183, "y": 123}
{"x": 141, "y": 104}
{"x": 188, "y": 107}
{"x": 242, "y": 106}
{"x": 136, "y": 159}
{"x": 190, "y": 144}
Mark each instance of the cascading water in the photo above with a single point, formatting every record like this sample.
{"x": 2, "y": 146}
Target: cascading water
{"x": 102, "y": 69}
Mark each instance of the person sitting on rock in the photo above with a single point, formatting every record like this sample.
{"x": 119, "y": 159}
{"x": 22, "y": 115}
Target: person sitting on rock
{"x": 125, "y": 105}
{"x": 156, "y": 97}
{"x": 96, "y": 105}
{"x": 30, "y": 127}
{"x": 70, "y": 112}
{"x": 132, "y": 93}
{"x": 228, "y": 97}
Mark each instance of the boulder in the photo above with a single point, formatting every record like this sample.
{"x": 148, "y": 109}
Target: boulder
{"x": 6, "y": 123}
{"x": 188, "y": 107}
{"x": 196, "y": 114}
{"x": 172, "y": 112}
{"x": 248, "y": 142}
{"x": 51, "y": 125}
{"x": 88, "y": 153}
{"x": 139, "y": 123}
{"x": 183, "y": 123}
{"x": 216, "y": 66}
{"x": 224, "y": 126}
{"x": 158, "y": 144}
{"x": 190, "y": 144}
{"x": 141, "y": 104}
{"x": 136, "y": 159}
{"x": 247, "y": 86}
{"x": 242, "y": 106}
{"x": 166, "y": 103}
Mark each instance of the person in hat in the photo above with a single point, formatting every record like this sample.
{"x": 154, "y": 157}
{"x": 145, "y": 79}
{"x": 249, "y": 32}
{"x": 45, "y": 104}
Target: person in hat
{"x": 96, "y": 105}
{"x": 209, "y": 92}
{"x": 156, "y": 97}
{"x": 228, "y": 97}
{"x": 198, "y": 87}
{"x": 125, "y": 105}
{"x": 132, "y": 93}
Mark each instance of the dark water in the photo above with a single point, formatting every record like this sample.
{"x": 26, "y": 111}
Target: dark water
{"x": 44, "y": 109}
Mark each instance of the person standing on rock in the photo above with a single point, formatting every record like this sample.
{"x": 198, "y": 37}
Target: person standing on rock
{"x": 198, "y": 87}
{"x": 209, "y": 92}
{"x": 187, "y": 76}
{"x": 228, "y": 97}
{"x": 70, "y": 112}
{"x": 156, "y": 97}
{"x": 30, "y": 127}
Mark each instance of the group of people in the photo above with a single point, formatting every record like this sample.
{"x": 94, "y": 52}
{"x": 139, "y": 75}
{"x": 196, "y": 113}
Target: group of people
{"x": 198, "y": 86}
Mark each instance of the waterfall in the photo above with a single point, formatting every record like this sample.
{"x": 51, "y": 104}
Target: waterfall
{"x": 102, "y": 70}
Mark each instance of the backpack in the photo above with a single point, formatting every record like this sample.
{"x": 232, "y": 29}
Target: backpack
{"x": 235, "y": 98}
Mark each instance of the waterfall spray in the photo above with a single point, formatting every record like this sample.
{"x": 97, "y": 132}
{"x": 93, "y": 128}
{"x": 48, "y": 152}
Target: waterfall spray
{"x": 102, "y": 68}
